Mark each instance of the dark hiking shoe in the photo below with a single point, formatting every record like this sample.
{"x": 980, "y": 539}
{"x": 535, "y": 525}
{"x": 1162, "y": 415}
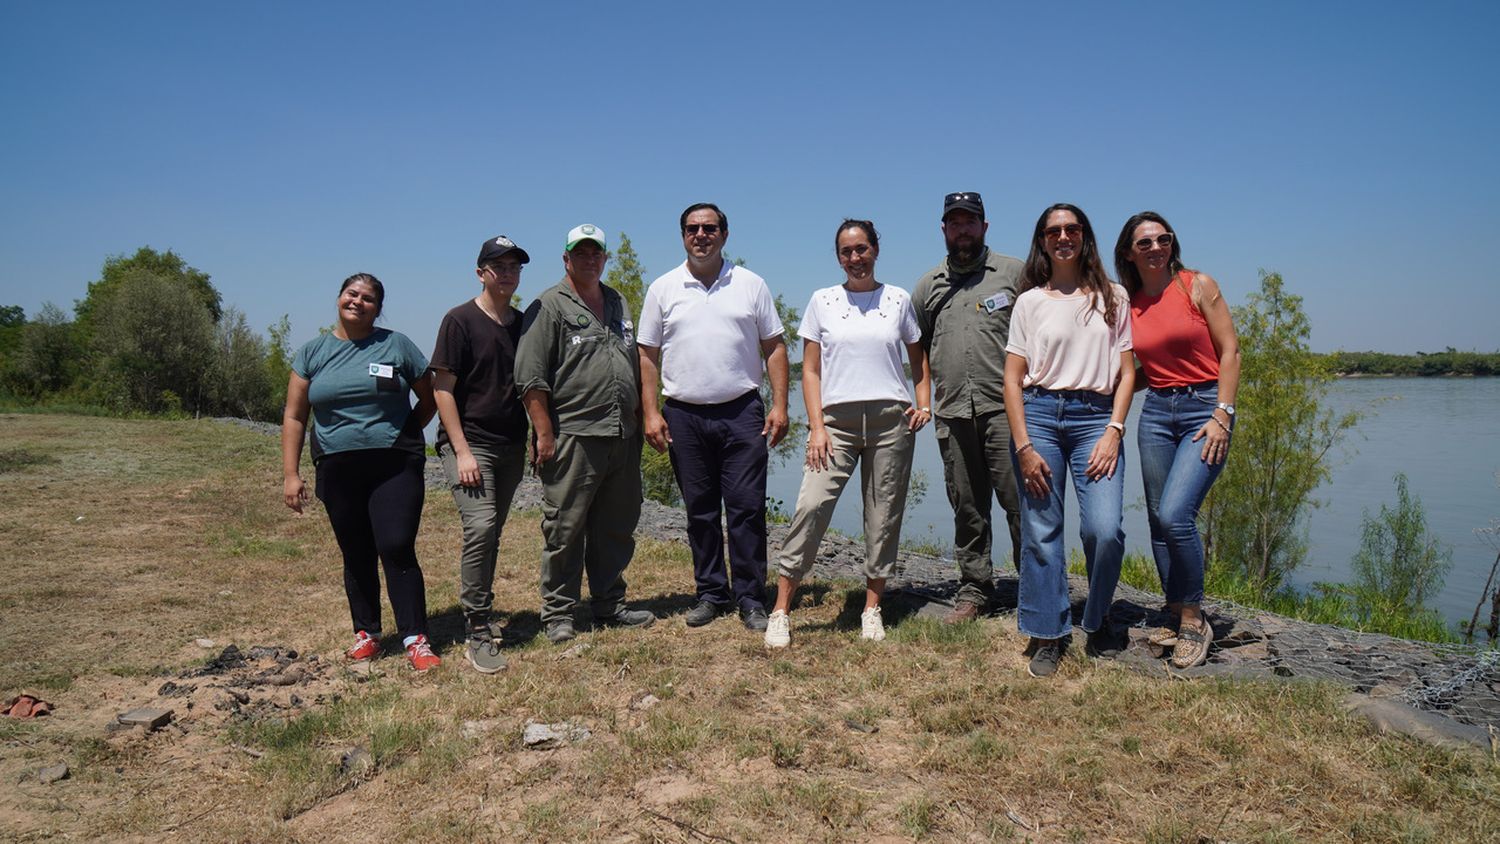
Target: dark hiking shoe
{"x": 628, "y": 618}
{"x": 1046, "y": 655}
{"x": 963, "y": 611}
{"x": 754, "y": 619}
{"x": 1104, "y": 643}
{"x": 703, "y": 613}
{"x": 560, "y": 630}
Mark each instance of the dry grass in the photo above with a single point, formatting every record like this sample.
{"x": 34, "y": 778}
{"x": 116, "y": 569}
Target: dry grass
{"x": 126, "y": 540}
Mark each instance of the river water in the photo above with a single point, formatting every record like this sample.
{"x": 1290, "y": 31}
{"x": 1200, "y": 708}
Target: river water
{"x": 1444, "y": 433}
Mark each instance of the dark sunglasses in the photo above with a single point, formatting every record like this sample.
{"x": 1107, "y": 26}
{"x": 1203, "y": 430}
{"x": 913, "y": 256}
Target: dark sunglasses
{"x": 1073, "y": 230}
{"x": 706, "y": 228}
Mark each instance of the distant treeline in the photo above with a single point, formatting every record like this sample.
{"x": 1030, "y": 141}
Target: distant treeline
{"x": 151, "y": 335}
{"x": 1450, "y": 361}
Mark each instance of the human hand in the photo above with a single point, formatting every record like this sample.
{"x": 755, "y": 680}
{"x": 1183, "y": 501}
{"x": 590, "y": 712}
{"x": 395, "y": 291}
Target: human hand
{"x": 775, "y": 427}
{"x": 1035, "y": 473}
{"x": 819, "y": 450}
{"x": 468, "y": 470}
{"x": 1216, "y": 441}
{"x": 543, "y": 449}
{"x": 294, "y": 492}
{"x": 1105, "y": 455}
{"x": 916, "y": 418}
{"x": 657, "y": 434}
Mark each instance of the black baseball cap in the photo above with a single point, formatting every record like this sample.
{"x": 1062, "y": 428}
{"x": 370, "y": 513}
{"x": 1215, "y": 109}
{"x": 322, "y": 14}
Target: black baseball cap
{"x": 497, "y": 247}
{"x": 963, "y": 201}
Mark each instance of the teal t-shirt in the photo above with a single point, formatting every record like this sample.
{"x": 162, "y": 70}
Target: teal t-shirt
{"x": 360, "y": 391}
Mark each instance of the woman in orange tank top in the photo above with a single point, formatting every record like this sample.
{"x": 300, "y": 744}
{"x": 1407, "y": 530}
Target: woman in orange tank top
{"x": 1190, "y": 357}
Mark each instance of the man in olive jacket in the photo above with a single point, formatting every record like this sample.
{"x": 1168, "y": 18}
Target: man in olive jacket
{"x": 963, "y": 306}
{"x": 580, "y": 382}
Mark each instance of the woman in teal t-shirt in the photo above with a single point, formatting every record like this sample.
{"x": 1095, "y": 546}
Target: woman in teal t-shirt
{"x": 368, "y": 451}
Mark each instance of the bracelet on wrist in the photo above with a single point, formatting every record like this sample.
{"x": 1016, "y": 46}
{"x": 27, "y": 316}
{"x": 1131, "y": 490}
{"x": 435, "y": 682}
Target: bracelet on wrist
{"x": 1023, "y": 448}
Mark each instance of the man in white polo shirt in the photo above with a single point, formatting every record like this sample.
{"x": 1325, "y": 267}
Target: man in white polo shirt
{"x": 705, "y": 328}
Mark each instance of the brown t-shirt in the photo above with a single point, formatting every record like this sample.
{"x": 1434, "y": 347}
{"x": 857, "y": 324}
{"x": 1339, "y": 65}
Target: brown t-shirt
{"x": 481, "y": 354}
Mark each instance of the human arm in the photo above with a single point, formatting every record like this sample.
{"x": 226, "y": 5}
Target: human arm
{"x": 818, "y": 447}
{"x": 652, "y": 422}
{"x": 293, "y": 430}
{"x": 426, "y": 405}
{"x": 1105, "y": 456}
{"x": 1210, "y": 302}
{"x": 443, "y": 383}
{"x": 920, "y": 413}
{"x": 779, "y": 372}
{"x": 544, "y": 441}
{"x": 1035, "y": 473}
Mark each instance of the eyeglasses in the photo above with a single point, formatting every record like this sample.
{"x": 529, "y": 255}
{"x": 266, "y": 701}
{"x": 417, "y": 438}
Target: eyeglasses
{"x": 706, "y": 228}
{"x": 1073, "y": 230}
{"x": 1164, "y": 240}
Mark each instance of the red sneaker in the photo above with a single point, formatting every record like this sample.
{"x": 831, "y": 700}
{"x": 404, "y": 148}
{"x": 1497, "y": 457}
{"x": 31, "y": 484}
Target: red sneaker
{"x": 365, "y": 647}
{"x": 421, "y": 655}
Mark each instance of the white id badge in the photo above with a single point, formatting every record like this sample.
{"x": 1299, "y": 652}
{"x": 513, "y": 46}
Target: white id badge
{"x": 996, "y": 302}
{"x": 382, "y": 370}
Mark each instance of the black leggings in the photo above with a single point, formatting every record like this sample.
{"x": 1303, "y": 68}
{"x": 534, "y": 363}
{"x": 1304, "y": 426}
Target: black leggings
{"x": 374, "y": 502}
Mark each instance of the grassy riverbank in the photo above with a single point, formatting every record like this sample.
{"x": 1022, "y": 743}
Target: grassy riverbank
{"x": 129, "y": 539}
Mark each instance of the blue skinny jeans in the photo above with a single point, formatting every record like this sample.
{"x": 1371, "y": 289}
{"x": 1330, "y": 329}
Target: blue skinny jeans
{"x": 1177, "y": 479}
{"x": 1063, "y": 426}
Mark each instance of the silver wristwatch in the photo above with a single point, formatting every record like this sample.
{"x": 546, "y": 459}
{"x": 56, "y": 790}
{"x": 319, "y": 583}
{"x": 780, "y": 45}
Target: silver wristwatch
{"x": 1227, "y": 408}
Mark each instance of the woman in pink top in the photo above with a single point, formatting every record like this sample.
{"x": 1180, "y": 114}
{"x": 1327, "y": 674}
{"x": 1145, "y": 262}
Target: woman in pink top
{"x": 1068, "y": 384}
{"x": 1186, "y": 345}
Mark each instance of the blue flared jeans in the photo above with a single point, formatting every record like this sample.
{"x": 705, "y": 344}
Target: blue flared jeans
{"x": 1063, "y": 426}
{"x": 1177, "y": 479}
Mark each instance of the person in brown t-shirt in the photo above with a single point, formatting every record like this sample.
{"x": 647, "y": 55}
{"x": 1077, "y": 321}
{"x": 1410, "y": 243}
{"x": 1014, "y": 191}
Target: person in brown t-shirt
{"x": 482, "y": 438}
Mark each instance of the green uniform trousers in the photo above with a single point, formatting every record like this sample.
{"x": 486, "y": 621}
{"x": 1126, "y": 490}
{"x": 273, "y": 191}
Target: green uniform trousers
{"x": 591, "y": 501}
{"x": 976, "y": 464}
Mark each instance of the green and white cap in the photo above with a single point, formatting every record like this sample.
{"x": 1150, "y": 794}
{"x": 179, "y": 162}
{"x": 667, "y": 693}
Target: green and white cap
{"x": 587, "y": 231}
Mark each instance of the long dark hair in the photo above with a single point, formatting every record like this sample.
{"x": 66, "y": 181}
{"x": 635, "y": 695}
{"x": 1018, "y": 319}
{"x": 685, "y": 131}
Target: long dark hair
{"x": 1095, "y": 280}
{"x": 1129, "y": 275}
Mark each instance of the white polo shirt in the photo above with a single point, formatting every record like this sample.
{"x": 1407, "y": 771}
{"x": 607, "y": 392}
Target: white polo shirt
{"x": 709, "y": 336}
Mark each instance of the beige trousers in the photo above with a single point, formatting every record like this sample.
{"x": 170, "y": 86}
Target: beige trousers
{"x": 871, "y": 434}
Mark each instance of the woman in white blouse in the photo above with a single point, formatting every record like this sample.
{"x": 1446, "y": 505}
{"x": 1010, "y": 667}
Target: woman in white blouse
{"x": 1069, "y": 376}
{"x": 859, "y": 411}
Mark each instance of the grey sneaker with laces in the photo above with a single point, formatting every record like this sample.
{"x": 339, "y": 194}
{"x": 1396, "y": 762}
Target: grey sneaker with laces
{"x": 1046, "y": 655}
{"x": 483, "y": 651}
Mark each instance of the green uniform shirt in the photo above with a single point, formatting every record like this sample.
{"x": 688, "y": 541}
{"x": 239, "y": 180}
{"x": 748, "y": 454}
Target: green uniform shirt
{"x": 965, "y": 321}
{"x": 590, "y": 369}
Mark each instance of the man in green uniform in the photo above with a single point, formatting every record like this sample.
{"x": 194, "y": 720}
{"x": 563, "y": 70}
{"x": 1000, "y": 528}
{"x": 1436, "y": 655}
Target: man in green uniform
{"x": 580, "y": 382}
{"x": 963, "y": 306}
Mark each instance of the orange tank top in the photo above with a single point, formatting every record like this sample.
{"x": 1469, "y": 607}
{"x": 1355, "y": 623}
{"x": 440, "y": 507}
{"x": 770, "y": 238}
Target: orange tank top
{"x": 1171, "y": 336}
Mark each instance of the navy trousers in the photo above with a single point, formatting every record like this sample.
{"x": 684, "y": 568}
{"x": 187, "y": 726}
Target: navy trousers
{"x": 719, "y": 458}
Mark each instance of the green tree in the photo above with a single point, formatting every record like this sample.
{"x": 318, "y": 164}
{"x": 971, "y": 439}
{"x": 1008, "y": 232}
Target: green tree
{"x": 1399, "y": 565}
{"x": 627, "y": 277}
{"x": 1282, "y": 436}
{"x": 46, "y": 357}
{"x": 279, "y": 362}
{"x": 240, "y": 379}
{"x": 153, "y": 338}
{"x": 168, "y": 265}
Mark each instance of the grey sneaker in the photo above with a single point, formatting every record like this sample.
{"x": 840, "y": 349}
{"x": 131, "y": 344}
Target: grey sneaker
{"x": 560, "y": 630}
{"x": 754, "y": 619}
{"x": 484, "y": 651}
{"x": 1044, "y": 659}
{"x": 703, "y": 613}
{"x": 628, "y": 618}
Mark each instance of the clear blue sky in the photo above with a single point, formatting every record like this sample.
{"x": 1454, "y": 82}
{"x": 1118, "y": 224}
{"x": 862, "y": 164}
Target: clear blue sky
{"x": 281, "y": 147}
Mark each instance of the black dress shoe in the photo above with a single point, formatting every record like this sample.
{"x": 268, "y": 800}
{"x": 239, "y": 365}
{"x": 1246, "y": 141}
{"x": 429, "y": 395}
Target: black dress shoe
{"x": 703, "y": 612}
{"x": 754, "y": 619}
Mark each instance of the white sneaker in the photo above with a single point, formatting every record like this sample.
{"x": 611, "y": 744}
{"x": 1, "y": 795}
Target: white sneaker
{"x": 778, "y": 630}
{"x": 870, "y": 626}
